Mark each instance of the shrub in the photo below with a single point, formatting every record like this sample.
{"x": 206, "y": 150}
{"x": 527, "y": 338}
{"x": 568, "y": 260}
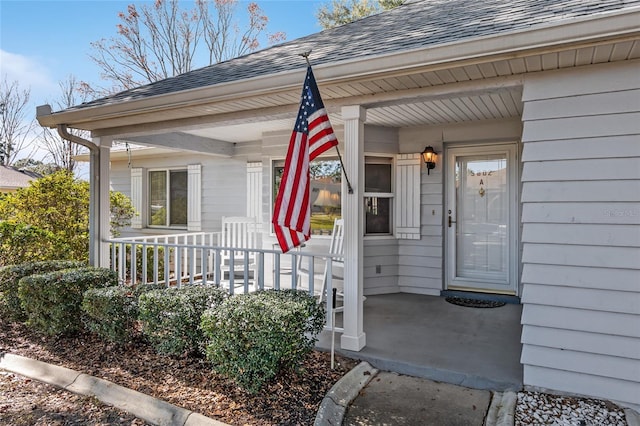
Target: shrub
{"x": 52, "y": 301}
{"x": 34, "y": 243}
{"x": 10, "y": 276}
{"x": 171, "y": 318}
{"x": 112, "y": 312}
{"x": 251, "y": 337}
{"x": 59, "y": 204}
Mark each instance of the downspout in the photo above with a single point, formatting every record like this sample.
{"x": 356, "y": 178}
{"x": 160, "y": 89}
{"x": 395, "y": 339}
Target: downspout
{"x": 94, "y": 188}
{"x": 96, "y": 233}
{"x": 95, "y": 201}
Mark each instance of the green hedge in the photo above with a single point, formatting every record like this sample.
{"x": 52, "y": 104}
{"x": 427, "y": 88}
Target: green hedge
{"x": 10, "y": 306}
{"x": 52, "y": 301}
{"x": 251, "y": 337}
{"x": 170, "y": 318}
{"x": 112, "y": 312}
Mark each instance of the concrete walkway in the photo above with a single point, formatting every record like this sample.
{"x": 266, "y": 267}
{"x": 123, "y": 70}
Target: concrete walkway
{"x": 367, "y": 396}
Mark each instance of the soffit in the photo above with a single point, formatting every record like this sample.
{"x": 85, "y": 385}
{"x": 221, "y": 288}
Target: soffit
{"x": 425, "y": 109}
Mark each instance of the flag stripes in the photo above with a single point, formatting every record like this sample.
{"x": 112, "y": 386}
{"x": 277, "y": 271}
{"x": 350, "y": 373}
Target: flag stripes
{"x": 312, "y": 135}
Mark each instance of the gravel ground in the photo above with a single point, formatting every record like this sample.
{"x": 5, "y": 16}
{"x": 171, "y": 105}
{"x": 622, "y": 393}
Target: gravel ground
{"x": 534, "y": 408}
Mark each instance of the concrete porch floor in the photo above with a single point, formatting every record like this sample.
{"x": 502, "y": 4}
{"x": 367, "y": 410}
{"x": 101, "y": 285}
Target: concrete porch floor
{"x": 425, "y": 336}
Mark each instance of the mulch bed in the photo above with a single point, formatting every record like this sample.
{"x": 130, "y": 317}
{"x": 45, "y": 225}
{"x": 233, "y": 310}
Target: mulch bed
{"x": 292, "y": 398}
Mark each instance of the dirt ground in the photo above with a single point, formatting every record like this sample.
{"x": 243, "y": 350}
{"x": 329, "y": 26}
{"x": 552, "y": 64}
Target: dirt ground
{"x": 290, "y": 399}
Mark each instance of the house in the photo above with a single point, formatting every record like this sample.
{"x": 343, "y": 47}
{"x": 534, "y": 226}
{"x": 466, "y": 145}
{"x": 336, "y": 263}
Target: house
{"x": 533, "y": 110}
{"x": 11, "y": 179}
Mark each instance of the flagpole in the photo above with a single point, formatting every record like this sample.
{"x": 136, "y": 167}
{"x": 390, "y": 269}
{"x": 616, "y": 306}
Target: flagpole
{"x": 305, "y": 55}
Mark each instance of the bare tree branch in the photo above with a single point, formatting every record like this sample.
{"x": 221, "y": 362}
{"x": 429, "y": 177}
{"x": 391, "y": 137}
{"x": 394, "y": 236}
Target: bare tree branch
{"x": 16, "y": 130}
{"x": 62, "y": 152}
{"x": 160, "y": 40}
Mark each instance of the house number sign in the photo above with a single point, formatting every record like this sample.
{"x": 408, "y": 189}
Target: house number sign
{"x": 482, "y": 174}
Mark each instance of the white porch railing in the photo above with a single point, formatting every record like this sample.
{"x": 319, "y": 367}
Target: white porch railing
{"x": 196, "y": 258}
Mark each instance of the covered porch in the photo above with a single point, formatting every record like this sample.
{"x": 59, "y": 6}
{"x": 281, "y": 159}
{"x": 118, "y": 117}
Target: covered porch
{"x": 425, "y": 336}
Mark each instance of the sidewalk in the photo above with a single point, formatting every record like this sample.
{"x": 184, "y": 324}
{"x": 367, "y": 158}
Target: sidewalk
{"x": 366, "y": 396}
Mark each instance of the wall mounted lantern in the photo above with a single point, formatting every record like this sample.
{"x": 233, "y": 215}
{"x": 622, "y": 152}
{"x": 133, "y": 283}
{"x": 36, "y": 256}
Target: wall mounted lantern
{"x": 429, "y": 156}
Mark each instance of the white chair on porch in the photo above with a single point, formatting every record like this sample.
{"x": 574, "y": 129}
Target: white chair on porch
{"x": 239, "y": 232}
{"x": 336, "y": 251}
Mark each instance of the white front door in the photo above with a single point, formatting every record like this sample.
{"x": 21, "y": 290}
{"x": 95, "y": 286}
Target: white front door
{"x": 481, "y": 219}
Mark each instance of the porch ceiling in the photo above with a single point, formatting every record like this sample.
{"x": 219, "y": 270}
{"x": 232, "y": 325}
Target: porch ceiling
{"x": 467, "y": 92}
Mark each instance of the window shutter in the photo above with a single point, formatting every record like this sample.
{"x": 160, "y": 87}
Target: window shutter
{"x": 137, "y": 197}
{"x": 407, "y": 203}
{"x": 254, "y": 193}
{"x": 194, "y": 197}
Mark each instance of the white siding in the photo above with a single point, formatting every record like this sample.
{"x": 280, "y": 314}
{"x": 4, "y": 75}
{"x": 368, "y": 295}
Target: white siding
{"x": 420, "y": 262}
{"x": 223, "y": 186}
{"x": 581, "y": 231}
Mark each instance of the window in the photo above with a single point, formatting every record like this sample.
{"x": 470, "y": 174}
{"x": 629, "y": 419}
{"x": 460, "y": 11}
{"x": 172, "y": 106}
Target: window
{"x": 168, "y": 198}
{"x": 378, "y": 195}
{"x": 325, "y": 192}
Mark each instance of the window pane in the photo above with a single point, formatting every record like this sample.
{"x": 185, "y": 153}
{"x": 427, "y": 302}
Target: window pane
{"x": 325, "y": 194}
{"x": 178, "y": 200}
{"x": 378, "y": 215}
{"x": 377, "y": 178}
{"x": 158, "y": 198}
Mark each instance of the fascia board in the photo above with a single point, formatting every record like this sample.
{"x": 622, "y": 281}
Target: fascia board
{"x": 524, "y": 42}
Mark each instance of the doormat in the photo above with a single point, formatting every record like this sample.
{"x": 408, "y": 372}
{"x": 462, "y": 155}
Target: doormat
{"x": 474, "y": 303}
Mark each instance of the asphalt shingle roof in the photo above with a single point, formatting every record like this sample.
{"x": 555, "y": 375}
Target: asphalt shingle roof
{"x": 10, "y": 177}
{"x": 416, "y": 24}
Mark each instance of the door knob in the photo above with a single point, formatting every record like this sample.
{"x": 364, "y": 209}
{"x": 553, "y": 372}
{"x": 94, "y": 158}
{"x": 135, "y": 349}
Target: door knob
{"x": 451, "y": 221}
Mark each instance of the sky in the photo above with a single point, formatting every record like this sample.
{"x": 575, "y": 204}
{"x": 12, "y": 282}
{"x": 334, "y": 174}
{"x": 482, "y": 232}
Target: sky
{"x": 42, "y": 42}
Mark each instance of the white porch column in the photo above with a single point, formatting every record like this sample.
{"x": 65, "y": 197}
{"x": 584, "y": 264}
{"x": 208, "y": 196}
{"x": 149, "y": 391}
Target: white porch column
{"x": 353, "y": 337}
{"x": 99, "y": 205}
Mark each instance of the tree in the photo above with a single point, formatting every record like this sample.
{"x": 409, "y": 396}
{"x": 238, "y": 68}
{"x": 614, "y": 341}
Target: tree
{"x": 163, "y": 40}
{"x": 36, "y": 166}
{"x": 340, "y": 12}
{"x": 15, "y": 128}
{"x": 59, "y": 204}
{"x": 60, "y": 151}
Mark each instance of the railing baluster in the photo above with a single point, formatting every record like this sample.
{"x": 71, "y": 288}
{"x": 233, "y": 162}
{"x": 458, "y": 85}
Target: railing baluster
{"x": 167, "y": 281}
{"x": 276, "y": 261}
{"x": 312, "y": 274}
{"x": 294, "y": 270}
{"x": 134, "y": 264}
{"x": 260, "y": 278}
{"x": 191, "y": 265}
{"x": 144, "y": 263}
{"x": 121, "y": 261}
{"x": 204, "y": 264}
{"x": 246, "y": 271}
{"x": 231, "y": 269}
{"x": 217, "y": 259}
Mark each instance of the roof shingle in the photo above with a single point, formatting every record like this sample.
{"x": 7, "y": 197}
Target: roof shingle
{"x": 416, "y": 24}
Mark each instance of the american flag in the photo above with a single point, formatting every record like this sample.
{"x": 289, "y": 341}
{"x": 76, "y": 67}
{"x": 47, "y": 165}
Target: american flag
{"x": 312, "y": 135}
